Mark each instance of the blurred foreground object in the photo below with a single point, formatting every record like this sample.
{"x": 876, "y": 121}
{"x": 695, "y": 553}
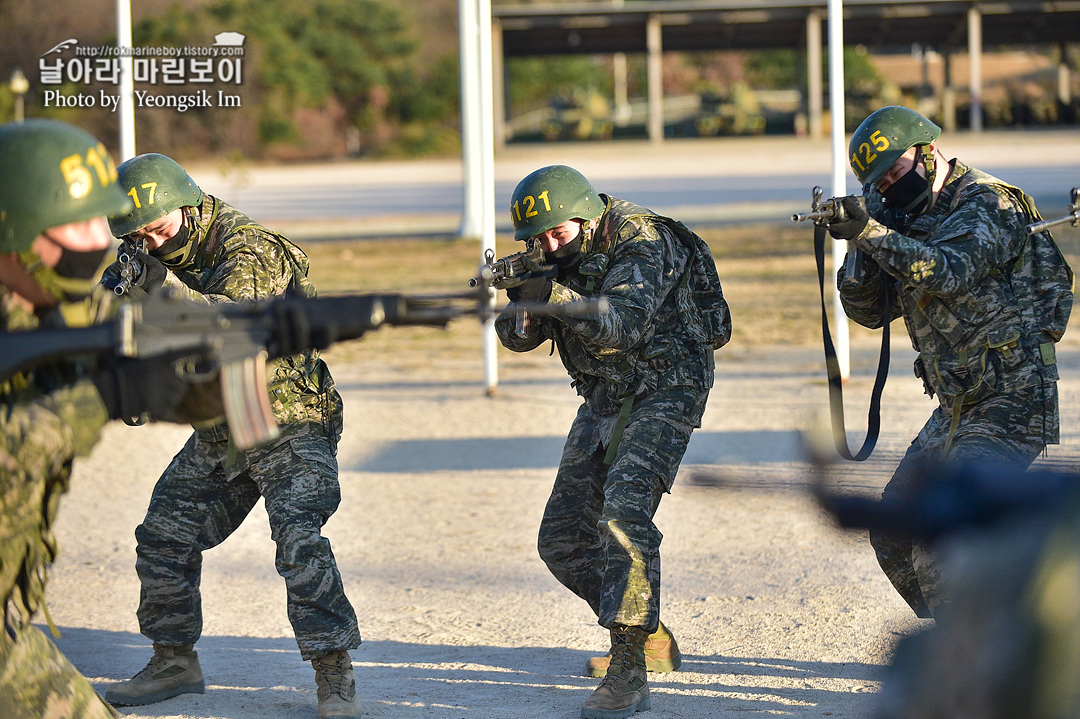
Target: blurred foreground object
{"x": 1006, "y": 643}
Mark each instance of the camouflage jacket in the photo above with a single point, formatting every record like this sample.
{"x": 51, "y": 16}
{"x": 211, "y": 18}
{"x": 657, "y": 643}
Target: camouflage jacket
{"x": 239, "y": 260}
{"x": 648, "y": 339}
{"x": 956, "y": 275}
{"x": 47, "y": 417}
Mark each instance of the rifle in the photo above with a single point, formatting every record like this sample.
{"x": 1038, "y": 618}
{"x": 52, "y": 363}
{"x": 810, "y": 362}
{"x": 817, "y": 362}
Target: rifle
{"x": 519, "y": 266}
{"x": 1073, "y": 217}
{"x": 822, "y": 212}
{"x": 233, "y": 341}
{"x": 130, "y": 269}
{"x": 954, "y": 497}
{"x": 510, "y": 267}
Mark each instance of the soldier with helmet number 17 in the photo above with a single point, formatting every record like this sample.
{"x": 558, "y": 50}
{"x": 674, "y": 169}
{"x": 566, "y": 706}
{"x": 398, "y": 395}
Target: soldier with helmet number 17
{"x": 209, "y": 252}
{"x": 643, "y": 370}
{"x": 984, "y": 304}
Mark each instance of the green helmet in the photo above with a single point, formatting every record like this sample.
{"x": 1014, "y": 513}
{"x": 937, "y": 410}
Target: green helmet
{"x": 883, "y": 137}
{"x": 52, "y": 174}
{"x": 549, "y": 197}
{"x": 159, "y": 186}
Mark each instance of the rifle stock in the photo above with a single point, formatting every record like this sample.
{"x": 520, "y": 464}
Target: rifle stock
{"x": 233, "y": 341}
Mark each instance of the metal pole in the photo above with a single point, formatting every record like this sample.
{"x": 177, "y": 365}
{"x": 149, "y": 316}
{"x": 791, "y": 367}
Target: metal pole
{"x": 840, "y": 166}
{"x": 975, "y": 58}
{"x": 19, "y": 87}
{"x": 813, "y": 74}
{"x": 469, "y": 60}
{"x": 478, "y": 147}
{"x": 487, "y": 188}
{"x": 126, "y": 105}
{"x": 655, "y": 65}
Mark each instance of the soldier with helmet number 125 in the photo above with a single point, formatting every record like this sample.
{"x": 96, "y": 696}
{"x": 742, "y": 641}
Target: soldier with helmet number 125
{"x": 945, "y": 246}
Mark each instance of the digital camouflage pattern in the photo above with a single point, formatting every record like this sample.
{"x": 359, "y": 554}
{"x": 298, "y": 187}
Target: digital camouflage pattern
{"x": 597, "y": 536}
{"x": 37, "y": 680}
{"x": 208, "y": 488}
{"x": 201, "y": 500}
{"x": 654, "y": 345}
{"x": 237, "y": 260}
{"x": 46, "y": 420}
{"x": 964, "y": 277}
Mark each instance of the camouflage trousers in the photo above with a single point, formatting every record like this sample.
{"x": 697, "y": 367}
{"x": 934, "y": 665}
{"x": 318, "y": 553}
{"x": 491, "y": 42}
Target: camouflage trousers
{"x": 597, "y": 536}
{"x": 37, "y": 680}
{"x": 202, "y": 498}
{"x": 1012, "y": 429}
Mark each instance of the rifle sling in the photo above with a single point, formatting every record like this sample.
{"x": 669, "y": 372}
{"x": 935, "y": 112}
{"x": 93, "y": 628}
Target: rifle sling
{"x": 832, "y": 366}
{"x": 620, "y": 426}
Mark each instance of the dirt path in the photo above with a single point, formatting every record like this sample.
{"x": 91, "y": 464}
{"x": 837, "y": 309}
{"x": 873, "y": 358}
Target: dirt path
{"x": 777, "y": 613}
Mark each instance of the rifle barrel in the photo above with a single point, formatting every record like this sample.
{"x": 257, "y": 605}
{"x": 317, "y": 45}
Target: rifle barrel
{"x": 1036, "y": 227}
{"x": 814, "y": 215}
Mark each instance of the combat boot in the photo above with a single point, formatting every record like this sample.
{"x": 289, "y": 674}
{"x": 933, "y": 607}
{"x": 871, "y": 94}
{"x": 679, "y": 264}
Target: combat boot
{"x": 661, "y": 655}
{"x": 625, "y": 688}
{"x": 172, "y": 671}
{"x": 337, "y": 687}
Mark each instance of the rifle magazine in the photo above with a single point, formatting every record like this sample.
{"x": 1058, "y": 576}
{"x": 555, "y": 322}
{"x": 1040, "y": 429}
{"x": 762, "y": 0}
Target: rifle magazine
{"x": 247, "y": 404}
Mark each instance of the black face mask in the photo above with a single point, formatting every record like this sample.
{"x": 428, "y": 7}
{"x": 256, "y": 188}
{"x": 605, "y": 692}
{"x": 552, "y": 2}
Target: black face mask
{"x": 175, "y": 243}
{"x": 80, "y": 265}
{"x": 567, "y": 257}
{"x": 178, "y": 251}
{"x": 909, "y": 194}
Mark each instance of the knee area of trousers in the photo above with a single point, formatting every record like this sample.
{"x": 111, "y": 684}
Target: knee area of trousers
{"x": 304, "y": 546}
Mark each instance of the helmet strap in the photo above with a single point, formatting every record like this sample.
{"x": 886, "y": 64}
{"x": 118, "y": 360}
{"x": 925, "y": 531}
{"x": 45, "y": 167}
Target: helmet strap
{"x": 180, "y": 250}
{"x": 929, "y": 163}
{"x": 588, "y": 227}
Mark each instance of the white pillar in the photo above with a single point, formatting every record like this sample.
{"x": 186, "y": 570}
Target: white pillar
{"x": 975, "y": 55}
{"x": 498, "y": 86}
{"x": 622, "y": 99}
{"x": 840, "y": 167}
{"x": 655, "y": 65}
{"x": 478, "y": 148}
{"x": 814, "y": 85}
{"x": 126, "y": 106}
{"x": 1064, "y": 79}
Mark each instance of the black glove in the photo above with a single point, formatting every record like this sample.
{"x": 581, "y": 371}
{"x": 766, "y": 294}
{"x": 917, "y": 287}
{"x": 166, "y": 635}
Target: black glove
{"x": 132, "y": 387}
{"x": 534, "y": 289}
{"x": 854, "y": 218}
{"x": 153, "y": 272}
{"x": 292, "y": 330}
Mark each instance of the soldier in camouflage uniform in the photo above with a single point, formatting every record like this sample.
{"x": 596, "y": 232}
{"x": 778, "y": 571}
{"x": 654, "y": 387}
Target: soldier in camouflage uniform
{"x": 207, "y": 251}
{"x": 57, "y": 184}
{"x": 644, "y": 371}
{"x": 945, "y": 246}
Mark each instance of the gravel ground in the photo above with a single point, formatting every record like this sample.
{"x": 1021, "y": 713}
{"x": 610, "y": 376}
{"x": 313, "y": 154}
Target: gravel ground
{"x": 777, "y": 612}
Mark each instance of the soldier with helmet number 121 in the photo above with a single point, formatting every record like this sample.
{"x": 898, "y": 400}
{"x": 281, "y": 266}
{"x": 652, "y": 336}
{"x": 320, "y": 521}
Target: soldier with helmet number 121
{"x": 643, "y": 370}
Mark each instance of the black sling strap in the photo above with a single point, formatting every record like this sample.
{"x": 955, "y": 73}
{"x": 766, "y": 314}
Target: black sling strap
{"x": 832, "y": 366}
